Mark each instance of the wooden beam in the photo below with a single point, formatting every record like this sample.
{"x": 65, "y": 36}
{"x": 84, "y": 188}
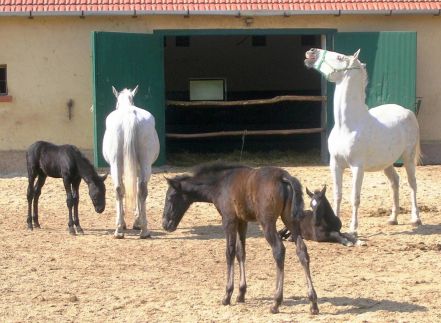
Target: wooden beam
{"x": 216, "y": 104}
{"x": 244, "y": 133}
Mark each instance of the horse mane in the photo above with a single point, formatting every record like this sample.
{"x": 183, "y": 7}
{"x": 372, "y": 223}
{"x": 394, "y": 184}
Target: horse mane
{"x": 85, "y": 167}
{"x": 214, "y": 168}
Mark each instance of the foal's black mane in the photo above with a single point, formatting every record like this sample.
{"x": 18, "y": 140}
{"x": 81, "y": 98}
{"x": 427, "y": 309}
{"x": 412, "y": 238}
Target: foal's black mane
{"x": 85, "y": 167}
{"x": 214, "y": 168}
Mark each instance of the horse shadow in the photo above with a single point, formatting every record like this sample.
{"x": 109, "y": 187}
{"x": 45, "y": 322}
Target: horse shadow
{"x": 357, "y": 305}
{"x": 127, "y": 232}
{"x": 210, "y": 232}
{"x": 423, "y": 230}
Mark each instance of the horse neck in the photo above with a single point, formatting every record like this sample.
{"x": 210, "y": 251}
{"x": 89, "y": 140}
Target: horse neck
{"x": 86, "y": 170}
{"x": 124, "y": 103}
{"x": 200, "y": 190}
{"x": 326, "y": 209}
{"x": 349, "y": 100}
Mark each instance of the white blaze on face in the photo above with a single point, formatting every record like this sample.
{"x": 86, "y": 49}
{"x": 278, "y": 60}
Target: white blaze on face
{"x": 313, "y": 203}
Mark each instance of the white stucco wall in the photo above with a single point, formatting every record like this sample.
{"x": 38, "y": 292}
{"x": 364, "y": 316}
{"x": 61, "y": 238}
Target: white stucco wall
{"x": 49, "y": 62}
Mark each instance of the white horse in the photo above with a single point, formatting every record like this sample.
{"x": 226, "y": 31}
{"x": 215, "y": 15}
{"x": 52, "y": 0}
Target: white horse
{"x": 366, "y": 140}
{"x": 130, "y": 146}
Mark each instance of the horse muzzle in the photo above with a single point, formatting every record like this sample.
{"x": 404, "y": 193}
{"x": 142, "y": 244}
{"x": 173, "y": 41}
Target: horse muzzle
{"x": 99, "y": 209}
{"x": 311, "y": 57}
{"x": 169, "y": 225}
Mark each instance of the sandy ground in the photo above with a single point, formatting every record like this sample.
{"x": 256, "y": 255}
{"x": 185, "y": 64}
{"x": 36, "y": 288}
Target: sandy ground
{"x": 48, "y": 275}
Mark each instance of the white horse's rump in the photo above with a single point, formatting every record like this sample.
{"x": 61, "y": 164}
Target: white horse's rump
{"x": 366, "y": 140}
{"x": 130, "y": 146}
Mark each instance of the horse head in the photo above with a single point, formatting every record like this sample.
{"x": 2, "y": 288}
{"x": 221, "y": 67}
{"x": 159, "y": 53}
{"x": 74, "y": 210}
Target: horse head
{"x": 125, "y": 97}
{"x": 334, "y": 66}
{"x": 176, "y": 204}
{"x": 318, "y": 202}
{"x": 97, "y": 193}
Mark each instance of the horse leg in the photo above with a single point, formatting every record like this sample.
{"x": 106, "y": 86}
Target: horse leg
{"x": 411, "y": 179}
{"x": 37, "y": 192}
{"x": 230, "y": 228}
{"x": 141, "y": 197}
{"x": 119, "y": 196}
{"x": 274, "y": 240}
{"x": 302, "y": 254}
{"x": 337, "y": 180}
{"x": 357, "y": 181}
{"x": 394, "y": 181}
{"x": 240, "y": 256}
{"x": 70, "y": 203}
{"x": 76, "y": 200}
{"x": 30, "y": 197}
{"x": 335, "y": 236}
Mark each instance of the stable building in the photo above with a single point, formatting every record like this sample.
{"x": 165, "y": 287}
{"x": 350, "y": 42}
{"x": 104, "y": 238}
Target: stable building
{"x": 215, "y": 74}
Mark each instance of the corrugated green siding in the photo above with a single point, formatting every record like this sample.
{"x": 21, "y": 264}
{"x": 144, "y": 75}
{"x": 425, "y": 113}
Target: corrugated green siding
{"x": 391, "y": 64}
{"x": 125, "y": 60}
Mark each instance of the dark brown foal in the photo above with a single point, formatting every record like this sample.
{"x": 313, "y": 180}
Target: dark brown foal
{"x": 320, "y": 224}
{"x": 242, "y": 194}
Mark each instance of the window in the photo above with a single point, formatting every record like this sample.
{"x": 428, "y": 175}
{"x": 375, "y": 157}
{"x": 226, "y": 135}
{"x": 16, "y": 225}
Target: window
{"x": 207, "y": 89}
{"x": 3, "y": 85}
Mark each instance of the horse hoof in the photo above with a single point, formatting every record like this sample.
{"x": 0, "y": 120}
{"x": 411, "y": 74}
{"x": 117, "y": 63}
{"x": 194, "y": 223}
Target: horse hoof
{"x": 80, "y": 231}
{"x": 361, "y": 243}
{"x": 392, "y": 222}
{"x": 417, "y": 223}
{"x": 274, "y": 309}
{"x": 72, "y": 231}
{"x": 145, "y": 236}
{"x": 136, "y": 227}
{"x": 348, "y": 244}
{"x": 124, "y": 226}
{"x": 118, "y": 235}
{"x": 226, "y": 301}
{"x": 240, "y": 299}
{"x": 37, "y": 226}
{"x": 314, "y": 309}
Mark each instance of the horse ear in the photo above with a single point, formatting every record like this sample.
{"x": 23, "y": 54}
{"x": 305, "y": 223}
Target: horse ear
{"x": 135, "y": 90}
{"x": 323, "y": 190}
{"x": 173, "y": 183}
{"x": 115, "y": 92}
{"x": 309, "y": 193}
{"x": 357, "y": 53}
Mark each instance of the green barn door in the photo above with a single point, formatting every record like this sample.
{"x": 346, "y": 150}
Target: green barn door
{"x": 391, "y": 64}
{"x": 125, "y": 60}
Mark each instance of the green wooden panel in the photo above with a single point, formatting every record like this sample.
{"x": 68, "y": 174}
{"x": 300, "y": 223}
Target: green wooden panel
{"x": 391, "y": 64}
{"x": 125, "y": 60}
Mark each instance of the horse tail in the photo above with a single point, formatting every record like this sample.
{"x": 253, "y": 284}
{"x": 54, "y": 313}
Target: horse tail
{"x": 130, "y": 126}
{"x": 297, "y": 204}
{"x": 418, "y": 155}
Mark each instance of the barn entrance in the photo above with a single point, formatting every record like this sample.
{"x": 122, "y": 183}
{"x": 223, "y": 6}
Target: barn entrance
{"x": 228, "y": 89}
{"x": 242, "y": 92}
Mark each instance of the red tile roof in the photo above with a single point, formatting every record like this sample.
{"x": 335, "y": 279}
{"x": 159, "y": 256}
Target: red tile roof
{"x": 65, "y": 7}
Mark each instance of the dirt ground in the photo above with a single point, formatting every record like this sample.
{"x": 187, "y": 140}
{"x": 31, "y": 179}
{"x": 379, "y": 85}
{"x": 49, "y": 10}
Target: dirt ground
{"x": 48, "y": 275}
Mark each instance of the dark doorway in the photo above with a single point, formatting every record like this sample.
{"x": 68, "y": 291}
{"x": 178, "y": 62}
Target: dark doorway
{"x": 213, "y": 84}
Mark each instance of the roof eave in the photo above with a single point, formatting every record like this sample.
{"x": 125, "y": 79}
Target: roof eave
{"x": 246, "y": 13}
